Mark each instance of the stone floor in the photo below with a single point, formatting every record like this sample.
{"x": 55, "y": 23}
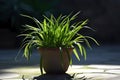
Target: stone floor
{"x": 103, "y": 63}
{"x": 90, "y": 72}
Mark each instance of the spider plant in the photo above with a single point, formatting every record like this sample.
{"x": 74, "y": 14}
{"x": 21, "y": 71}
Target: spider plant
{"x": 56, "y": 32}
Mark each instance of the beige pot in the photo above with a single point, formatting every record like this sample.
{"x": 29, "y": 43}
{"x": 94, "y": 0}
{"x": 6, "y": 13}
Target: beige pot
{"x": 52, "y": 60}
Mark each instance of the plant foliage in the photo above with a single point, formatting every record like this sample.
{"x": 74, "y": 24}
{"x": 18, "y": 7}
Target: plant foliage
{"x": 55, "y": 32}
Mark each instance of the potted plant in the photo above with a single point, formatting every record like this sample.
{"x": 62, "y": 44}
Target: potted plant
{"x": 55, "y": 38}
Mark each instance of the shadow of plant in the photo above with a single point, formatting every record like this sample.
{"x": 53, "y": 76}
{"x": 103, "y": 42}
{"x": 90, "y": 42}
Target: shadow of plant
{"x": 53, "y": 77}
{"x": 58, "y": 77}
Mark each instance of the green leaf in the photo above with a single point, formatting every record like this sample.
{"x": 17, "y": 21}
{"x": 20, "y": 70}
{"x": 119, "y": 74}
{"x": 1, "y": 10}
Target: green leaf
{"x": 26, "y": 52}
{"x": 75, "y": 15}
{"x": 84, "y": 52}
{"x": 32, "y": 18}
{"x": 76, "y": 54}
{"x": 80, "y": 48}
{"x": 93, "y": 40}
{"x": 41, "y": 64}
{"x": 61, "y": 56}
{"x": 69, "y": 56}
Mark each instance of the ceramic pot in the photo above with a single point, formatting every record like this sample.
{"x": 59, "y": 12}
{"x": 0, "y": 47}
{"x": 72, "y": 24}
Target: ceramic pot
{"x": 55, "y": 61}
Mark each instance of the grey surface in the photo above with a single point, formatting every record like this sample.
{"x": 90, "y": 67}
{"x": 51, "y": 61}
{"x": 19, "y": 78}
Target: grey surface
{"x": 107, "y": 54}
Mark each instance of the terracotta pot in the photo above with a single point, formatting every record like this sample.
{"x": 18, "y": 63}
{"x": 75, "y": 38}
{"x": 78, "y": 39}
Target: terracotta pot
{"x": 52, "y": 60}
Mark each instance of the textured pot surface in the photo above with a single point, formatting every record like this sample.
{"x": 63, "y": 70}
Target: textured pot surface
{"x": 53, "y": 62}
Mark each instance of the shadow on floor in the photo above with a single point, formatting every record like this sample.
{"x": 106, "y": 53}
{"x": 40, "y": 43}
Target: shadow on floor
{"x": 58, "y": 77}
{"x": 53, "y": 77}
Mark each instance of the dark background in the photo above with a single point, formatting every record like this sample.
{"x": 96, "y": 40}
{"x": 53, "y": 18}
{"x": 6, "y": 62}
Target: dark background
{"x": 103, "y": 15}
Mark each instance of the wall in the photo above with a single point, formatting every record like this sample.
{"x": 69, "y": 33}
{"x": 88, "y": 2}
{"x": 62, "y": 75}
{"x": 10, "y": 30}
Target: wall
{"x": 103, "y": 15}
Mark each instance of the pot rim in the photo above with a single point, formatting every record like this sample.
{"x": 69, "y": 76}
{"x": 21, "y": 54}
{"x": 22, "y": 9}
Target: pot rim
{"x": 54, "y": 48}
